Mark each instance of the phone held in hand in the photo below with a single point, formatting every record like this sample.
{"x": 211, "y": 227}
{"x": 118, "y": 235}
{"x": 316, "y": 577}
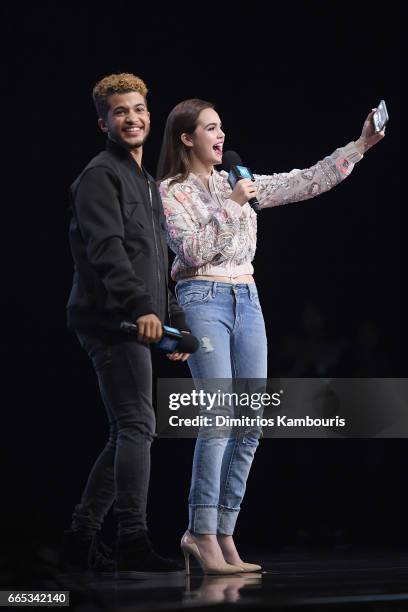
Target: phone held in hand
{"x": 380, "y": 117}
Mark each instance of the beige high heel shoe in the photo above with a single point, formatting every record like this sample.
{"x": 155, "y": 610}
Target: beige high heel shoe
{"x": 249, "y": 567}
{"x": 189, "y": 547}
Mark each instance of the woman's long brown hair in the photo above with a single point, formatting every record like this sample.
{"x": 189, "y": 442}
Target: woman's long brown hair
{"x": 174, "y": 158}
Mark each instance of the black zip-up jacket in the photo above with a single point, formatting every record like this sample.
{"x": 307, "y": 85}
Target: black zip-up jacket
{"x": 118, "y": 245}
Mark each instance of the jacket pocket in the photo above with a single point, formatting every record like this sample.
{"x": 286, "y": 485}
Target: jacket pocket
{"x": 135, "y": 214}
{"x": 135, "y": 218}
{"x": 131, "y": 206}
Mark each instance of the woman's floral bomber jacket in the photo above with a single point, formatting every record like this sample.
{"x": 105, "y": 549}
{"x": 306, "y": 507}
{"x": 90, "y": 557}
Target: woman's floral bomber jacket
{"x": 213, "y": 235}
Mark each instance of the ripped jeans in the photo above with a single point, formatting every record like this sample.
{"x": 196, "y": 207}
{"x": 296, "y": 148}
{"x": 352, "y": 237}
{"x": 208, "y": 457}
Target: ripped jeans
{"x": 227, "y": 319}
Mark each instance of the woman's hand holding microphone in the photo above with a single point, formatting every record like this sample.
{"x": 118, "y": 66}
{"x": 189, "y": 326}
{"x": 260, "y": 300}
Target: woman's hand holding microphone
{"x": 243, "y": 191}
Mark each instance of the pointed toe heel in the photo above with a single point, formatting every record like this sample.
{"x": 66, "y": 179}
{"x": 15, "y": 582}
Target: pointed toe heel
{"x": 189, "y": 547}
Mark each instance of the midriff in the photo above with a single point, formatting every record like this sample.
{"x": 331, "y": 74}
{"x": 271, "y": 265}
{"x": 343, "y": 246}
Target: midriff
{"x": 244, "y": 278}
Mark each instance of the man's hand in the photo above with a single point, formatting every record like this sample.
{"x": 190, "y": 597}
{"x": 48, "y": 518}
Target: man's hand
{"x": 178, "y": 356}
{"x": 243, "y": 191}
{"x": 150, "y": 328}
{"x": 369, "y": 137}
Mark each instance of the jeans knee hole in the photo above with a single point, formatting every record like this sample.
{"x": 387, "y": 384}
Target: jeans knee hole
{"x": 206, "y": 344}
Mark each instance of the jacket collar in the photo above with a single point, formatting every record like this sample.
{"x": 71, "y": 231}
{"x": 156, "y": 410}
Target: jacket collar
{"x": 124, "y": 155}
{"x": 215, "y": 178}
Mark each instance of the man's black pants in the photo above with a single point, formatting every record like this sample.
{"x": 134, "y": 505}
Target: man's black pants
{"x": 121, "y": 473}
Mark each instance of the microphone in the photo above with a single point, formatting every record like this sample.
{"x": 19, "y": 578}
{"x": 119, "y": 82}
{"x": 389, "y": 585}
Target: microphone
{"x": 232, "y": 163}
{"x": 172, "y": 339}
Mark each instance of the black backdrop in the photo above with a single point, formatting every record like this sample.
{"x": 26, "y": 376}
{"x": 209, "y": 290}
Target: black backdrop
{"x": 292, "y": 82}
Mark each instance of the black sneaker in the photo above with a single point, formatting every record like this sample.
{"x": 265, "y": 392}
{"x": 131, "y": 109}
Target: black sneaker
{"x": 135, "y": 554}
{"x": 83, "y": 552}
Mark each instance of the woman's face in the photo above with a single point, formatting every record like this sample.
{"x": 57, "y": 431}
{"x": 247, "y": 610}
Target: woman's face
{"x": 207, "y": 140}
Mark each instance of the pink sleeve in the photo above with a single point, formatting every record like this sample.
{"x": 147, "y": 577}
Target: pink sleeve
{"x": 285, "y": 187}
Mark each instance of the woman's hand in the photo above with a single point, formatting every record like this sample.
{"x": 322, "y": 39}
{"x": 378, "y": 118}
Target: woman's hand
{"x": 243, "y": 191}
{"x": 175, "y": 356}
{"x": 178, "y": 356}
{"x": 369, "y": 137}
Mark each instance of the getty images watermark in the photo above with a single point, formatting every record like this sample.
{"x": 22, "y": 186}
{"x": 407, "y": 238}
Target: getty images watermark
{"x": 234, "y": 402}
{"x": 290, "y": 407}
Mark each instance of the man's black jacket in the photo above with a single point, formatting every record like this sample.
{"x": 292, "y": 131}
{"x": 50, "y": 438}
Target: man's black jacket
{"x": 118, "y": 244}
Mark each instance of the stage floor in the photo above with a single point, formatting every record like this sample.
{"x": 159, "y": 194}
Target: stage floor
{"x": 349, "y": 581}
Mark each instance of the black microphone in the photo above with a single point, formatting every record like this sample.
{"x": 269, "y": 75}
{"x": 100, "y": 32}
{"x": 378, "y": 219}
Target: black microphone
{"x": 172, "y": 339}
{"x": 232, "y": 163}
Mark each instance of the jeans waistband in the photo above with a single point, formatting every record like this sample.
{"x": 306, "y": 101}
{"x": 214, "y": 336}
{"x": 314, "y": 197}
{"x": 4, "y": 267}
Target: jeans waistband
{"x": 218, "y": 287}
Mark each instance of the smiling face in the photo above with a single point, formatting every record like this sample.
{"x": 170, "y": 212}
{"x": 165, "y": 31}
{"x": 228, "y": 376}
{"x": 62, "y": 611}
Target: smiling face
{"x": 128, "y": 120}
{"x": 207, "y": 140}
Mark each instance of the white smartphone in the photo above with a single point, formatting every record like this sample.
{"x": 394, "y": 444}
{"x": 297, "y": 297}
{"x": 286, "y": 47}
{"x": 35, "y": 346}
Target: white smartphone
{"x": 380, "y": 117}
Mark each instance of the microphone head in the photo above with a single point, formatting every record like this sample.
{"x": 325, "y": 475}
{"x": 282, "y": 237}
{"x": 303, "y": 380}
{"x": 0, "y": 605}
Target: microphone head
{"x": 229, "y": 159}
{"x": 188, "y": 344}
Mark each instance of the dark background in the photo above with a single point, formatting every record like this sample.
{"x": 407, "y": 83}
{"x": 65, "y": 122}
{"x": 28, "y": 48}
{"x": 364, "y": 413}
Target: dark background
{"x": 292, "y": 82}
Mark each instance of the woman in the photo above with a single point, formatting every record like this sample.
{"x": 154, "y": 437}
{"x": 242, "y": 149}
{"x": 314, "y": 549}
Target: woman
{"x": 212, "y": 230}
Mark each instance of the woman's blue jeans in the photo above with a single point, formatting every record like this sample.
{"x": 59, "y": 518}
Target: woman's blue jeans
{"x": 227, "y": 319}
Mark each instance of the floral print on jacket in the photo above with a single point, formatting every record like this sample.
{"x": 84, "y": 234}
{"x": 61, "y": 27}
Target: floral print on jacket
{"x": 213, "y": 235}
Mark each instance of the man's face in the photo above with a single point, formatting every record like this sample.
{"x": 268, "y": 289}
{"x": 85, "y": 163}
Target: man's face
{"x": 128, "y": 121}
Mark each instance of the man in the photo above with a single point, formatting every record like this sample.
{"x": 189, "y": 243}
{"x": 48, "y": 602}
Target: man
{"x": 121, "y": 270}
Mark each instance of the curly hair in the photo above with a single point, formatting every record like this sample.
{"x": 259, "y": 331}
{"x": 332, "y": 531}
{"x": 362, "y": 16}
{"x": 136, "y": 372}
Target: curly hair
{"x": 112, "y": 84}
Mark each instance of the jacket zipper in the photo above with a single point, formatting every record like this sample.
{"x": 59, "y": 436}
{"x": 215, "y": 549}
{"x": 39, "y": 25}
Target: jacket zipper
{"x": 221, "y": 203}
{"x": 215, "y": 190}
{"x": 155, "y": 244}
